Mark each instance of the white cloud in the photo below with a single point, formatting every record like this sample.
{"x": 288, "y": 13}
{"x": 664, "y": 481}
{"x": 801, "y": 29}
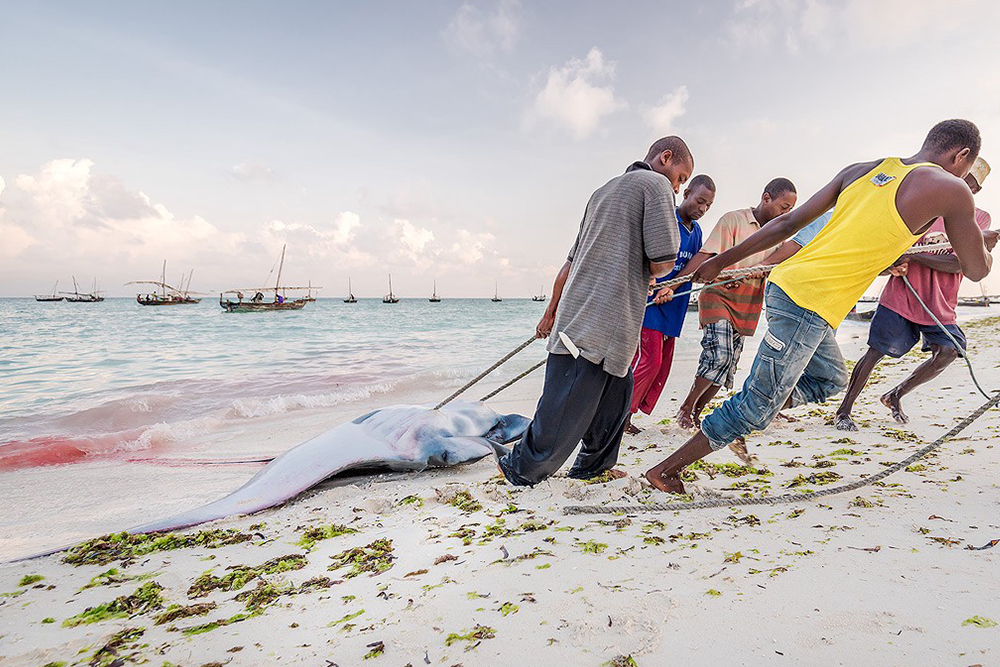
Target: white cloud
{"x": 252, "y": 172}
{"x": 483, "y": 33}
{"x": 575, "y": 97}
{"x": 660, "y": 118}
{"x": 413, "y": 239}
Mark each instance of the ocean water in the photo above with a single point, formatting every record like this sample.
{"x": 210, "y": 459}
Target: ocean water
{"x": 92, "y": 382}
{"x": 89, "y": 380}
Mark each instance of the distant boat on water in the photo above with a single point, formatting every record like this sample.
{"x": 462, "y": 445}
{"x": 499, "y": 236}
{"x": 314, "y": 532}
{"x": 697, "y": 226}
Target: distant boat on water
{"x": 496, "y": 293}
{"x": 390, "y": 297}
{"x": 76, "y": 296}
{"x": 167, "y": 295}
{"x": 257, "y": 303}
{"x": 434, "y": 295}
{"x": 309, "y": 295}
{"x": 540, "y": 296}
{"x": 350, "y": 293}
{"x": 50, "y": 297}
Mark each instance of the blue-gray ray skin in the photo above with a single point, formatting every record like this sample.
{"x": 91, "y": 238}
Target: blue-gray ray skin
{"x": 401, "y": 438}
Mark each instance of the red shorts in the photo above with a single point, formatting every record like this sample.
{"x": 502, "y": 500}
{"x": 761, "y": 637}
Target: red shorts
{"x": 650, "y": 369}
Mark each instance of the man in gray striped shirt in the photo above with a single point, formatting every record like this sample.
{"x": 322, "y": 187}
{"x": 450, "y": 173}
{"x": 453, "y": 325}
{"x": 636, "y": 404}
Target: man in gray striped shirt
{"x": 628, "y": 235}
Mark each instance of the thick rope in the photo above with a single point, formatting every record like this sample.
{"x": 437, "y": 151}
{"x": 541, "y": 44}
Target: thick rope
{"x": 507, "y": 384}
{"x": 485, "y": 373}
{"x": 791, "y": 497}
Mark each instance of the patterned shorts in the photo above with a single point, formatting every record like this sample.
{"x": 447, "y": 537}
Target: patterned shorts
{"x": 721, "y": 346}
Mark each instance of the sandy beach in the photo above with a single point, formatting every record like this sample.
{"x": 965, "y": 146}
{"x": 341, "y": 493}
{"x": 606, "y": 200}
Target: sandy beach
{"x": 454, "y": 567}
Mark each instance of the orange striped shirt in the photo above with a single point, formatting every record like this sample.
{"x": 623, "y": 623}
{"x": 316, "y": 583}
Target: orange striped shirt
{"x": 741, "y": 304}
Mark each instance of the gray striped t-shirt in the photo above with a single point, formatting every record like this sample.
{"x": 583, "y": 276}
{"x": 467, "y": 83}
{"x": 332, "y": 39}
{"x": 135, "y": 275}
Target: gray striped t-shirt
{"x": 629, "y": 222}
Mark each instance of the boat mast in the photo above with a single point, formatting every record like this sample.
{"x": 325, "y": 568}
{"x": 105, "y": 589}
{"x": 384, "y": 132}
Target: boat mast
{"x": 163, "y": 281}
{"x": 188, "y": 290}
{"x": 76, "y": 290}
{"x": 390, "y": 285}
{"x": 350, "y": 290}
{"x": 55, "y": 289}
{"x": 280, "y": 265}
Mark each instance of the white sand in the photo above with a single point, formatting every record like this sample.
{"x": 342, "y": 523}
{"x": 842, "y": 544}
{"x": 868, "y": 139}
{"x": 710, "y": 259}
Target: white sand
{"x": 808, "y": 589}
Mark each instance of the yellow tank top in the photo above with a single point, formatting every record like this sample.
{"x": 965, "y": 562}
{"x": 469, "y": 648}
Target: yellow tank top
{"x": 863, "y": 237}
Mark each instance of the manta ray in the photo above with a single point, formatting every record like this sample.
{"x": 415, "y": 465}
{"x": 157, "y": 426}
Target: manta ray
{"x": 399, "y": 438}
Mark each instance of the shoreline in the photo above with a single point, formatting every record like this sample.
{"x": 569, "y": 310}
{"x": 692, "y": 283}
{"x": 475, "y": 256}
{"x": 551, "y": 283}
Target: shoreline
{"x": 502, "y": 574}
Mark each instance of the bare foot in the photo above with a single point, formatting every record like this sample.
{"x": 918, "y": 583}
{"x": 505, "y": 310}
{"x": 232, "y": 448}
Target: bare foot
{"x": 630, "y": 428}
{"x": 891, "y": 401}
{"x": 667, "y": 484}
{"x": 685, "y": 419}
{"x": 739, "y": 447}
{"x": 844, "y": 423}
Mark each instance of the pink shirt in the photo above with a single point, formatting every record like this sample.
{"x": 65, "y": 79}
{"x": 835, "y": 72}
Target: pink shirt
{"x": 939, "y": 290}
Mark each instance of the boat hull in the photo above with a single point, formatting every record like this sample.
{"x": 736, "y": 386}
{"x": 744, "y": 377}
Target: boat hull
{"x": 250, "y": 307}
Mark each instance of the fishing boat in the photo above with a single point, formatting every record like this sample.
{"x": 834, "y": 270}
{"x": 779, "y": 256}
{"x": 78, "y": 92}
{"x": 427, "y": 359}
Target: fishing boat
{"x": 309, "y": 294}
{"x": 496, "y": 293}
{"x": 165, "y": 295}
{"x": 350, "y": 293}
{"x": 390, "y": 297}
{"x": 50, "y": 297}
{"x": 976, "y": 301}
{"x": 434, "y": 295}
{"x": 76, "y": 296}
{"x": 258, "y": 302}
{"x": 540, "y": 296}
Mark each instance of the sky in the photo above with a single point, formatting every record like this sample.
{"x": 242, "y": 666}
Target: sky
{"x": 446, "y": 141}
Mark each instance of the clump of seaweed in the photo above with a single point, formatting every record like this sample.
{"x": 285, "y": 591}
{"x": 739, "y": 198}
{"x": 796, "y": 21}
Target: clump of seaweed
{"x": 113, "y": 577}
{"x": 113, "y": 653}
{"x": 145, "y": 598}
{"x": 29, "y": 579}
{"x": 265, "y": 594}
{"x": 411, "y": 500}
{"x": 477, "y": 634}
{"x": 817, "y": 478}
{"x": 127, "y": 547}
{"x": 314, "y": 534}
{"x": 377, "y": 649}
{"x": 176, "y": 611}
{"x": 374, "y": 558}
{"x": 239, "y": 576}
{"x": 592, "y": 547}
{"x": 464, "y": 501}
{"x": 724, "y": 469}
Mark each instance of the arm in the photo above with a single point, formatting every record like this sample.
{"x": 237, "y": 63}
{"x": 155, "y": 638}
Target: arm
{"x": 544, "y": 327}
{"x": 943, "y": 263}
{"x": 784, "y": 226}
{"x": 786, "y": 250}
{"x": 966, "y": 238}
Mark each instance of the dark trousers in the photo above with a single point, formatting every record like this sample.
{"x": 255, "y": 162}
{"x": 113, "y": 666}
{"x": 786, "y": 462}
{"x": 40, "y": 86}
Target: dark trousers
{"x": 580, "y": 401}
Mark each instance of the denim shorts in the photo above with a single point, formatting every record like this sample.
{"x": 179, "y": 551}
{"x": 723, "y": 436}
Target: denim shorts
{"x": 894, "y": 335}
{"x": 798, "y": 359}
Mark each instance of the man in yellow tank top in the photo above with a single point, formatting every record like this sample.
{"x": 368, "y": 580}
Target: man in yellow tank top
{"x": 879, "y": 209}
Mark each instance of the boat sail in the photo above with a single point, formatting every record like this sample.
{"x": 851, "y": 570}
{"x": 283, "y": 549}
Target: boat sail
{"x": 390, "y": 297}
{"x": 167, "y": 295}
{"x": 76, "y": 296}
{"x": 434, "y": 295}
{"x": 257, "y": 303}
{"x": 350, "y": 293}
{"x": 540, "y": 296}
{"x": 50, "y": 297}
{"x": 496, "y": 293}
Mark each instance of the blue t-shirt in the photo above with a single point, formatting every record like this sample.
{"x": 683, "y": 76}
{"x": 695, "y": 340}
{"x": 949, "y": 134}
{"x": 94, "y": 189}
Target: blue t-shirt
{"x": 668, "y": 318}
{"x": 809, "y": 232}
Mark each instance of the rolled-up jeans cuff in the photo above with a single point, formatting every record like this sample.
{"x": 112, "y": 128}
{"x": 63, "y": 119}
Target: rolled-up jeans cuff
{"x": 716, "y": 440}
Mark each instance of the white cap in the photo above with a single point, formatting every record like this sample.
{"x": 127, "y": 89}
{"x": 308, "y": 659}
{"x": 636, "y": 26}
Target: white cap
{"x": 980, "y": 170}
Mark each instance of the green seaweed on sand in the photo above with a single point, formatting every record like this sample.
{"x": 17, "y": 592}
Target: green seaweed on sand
{"x": 314, "y": 534}
{"x": 916, "y": 467}
{"x": 411, "y": 500}
{"x": 603, "y": 478}
{"x": 215, "y": 625}
{"x": 980, "y": 622}
{"x": 113, "y": 653}
{"x": 264, "y": 595}
{"x": 592, "y": 547}
{"x": 473, "y": 636}
{"x": 860, "y": 501}
{"x": 377, "y": 649}
{"x": 621, "y": 661}
{"x": 345, "y": 619}
{"x": 724, "y": 469}
{"x": 374, "y": 558}
{"x": 845, "y": 451}
{"x": 146, "y": 598}
{"x": 113, "y": 577}
{"x": 239, "y": 576}
{"x": 176, "y": 611}
{"x": 55, "y": 663}
{"x": 464, "y": 501}
{"x": 713, "y": 592}
{"x": 508, "y": 608}
{"x": 817, "y": 478}
{"x": 127, "y": 547}
{"x": 48, "y": 619}
{"x": 29, "y": 579}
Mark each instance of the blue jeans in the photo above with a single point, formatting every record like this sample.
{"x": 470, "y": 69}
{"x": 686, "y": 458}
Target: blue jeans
{"x": 798, "y": 357}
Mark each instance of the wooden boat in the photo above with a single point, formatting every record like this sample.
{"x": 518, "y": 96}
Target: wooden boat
{"x": 540, "y": 296}
{"x": 309, "y": 295}
{"x": 693, "y": 304}
{"x": 434, "y": 295}
{"x": 390, "y": 297}
{"x": 496, "y": 293}
{"x": 350, "y": 293}
{"x": 167, "y": 295}
{"x": 76, "y": 296}
{"x": 259, "y": 303}
{"x": 50, "y": 297}
{"x": 974, "y": 301}
{"x": 860, "y": 315}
